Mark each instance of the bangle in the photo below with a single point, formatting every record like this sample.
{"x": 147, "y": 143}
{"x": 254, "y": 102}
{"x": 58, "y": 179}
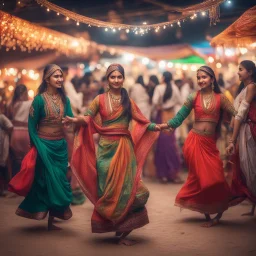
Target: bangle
{"x": 168, "y": 125}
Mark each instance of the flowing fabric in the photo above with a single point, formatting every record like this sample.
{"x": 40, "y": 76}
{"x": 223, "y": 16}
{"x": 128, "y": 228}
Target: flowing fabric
{"x": 112, "y": 180}
{"x": 244, "y": 167}
{"x": 206, "y": 189}
{"x": 47, "y": 162}
{"x": 167, "y": 158}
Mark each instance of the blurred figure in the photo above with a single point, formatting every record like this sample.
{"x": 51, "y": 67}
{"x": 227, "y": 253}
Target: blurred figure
{"x": 153, "y": 82}
{"x": 5, "y": 130}
{"x": 76, "y": 98}
{"x": 138, "y": 93}
{"x": 76, "y": 102}
{"x": 103, "y": 85}
{"x": 18, "y": 112}
{"x": 167, "y": 159}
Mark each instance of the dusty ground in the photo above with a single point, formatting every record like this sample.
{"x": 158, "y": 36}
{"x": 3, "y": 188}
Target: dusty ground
{"x": 170, "y": 232}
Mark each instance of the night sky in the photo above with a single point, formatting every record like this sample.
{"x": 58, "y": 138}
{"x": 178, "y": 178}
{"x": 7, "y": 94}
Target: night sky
{"x": 191, "y": 31}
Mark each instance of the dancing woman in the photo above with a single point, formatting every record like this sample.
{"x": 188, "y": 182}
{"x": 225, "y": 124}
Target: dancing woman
{"x": 112, "y": 180}
{"x": 206, "y": 190}
{"x": 42, "y": 179}
{"x": 243, "y": 140}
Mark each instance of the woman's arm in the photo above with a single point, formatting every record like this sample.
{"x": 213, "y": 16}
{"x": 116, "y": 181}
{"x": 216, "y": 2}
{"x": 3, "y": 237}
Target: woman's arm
{"x": 241, "y": 114}
{"x": 83, "y": 120}
{"x": 182, "y": 113}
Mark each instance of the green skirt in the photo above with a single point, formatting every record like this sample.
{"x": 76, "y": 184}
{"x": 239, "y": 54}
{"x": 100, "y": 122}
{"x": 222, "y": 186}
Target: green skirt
{"x": 51, "y": 191}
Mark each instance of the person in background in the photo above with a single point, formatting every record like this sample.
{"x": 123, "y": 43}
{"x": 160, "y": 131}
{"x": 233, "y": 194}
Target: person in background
{"x": 138, "y": 92}
{"x": 18, "y": 114}
{"x": 5, "y": 131}
{"x": 167, "y": 159}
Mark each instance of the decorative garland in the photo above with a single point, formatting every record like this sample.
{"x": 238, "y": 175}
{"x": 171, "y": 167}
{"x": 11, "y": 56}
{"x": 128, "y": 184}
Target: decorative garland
{"x": 210, "y": 6}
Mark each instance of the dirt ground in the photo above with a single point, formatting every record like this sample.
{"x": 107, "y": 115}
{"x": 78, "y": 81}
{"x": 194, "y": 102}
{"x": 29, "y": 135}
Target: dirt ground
{"x": 170, "y": 232}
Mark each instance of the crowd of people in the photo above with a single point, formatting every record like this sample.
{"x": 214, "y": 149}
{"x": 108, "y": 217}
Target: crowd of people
{"x": 137, "y": 132}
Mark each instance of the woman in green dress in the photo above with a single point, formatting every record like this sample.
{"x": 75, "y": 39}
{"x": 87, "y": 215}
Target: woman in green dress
{"x": 42, "y": 179}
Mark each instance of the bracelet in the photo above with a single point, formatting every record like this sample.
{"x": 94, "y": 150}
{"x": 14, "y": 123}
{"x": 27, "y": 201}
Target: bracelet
{"x": 168, "y": 125}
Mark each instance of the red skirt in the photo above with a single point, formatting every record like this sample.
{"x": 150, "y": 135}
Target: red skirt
{"x": 206, "y": 189}
{"x": 239, "y": 190}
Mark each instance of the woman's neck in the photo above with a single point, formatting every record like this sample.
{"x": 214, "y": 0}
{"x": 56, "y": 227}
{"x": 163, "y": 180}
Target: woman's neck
{"x": 207, "y": 90}
{"x": 116, "y": 92}
{"x": 51, "y": 90}
{"x": 247, "y": 81}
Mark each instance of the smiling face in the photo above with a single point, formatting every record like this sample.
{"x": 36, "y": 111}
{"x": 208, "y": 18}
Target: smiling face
{"x": 115, "y": 80}
{"x": 243, "y": 73}
{"x": 55, "y": 80}
{"x": 204, "y": 80}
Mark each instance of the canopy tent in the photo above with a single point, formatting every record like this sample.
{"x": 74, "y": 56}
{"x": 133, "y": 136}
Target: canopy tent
{"x": 190, "y": 60}
{"x": 166, "y": 52}
{"x": 241, "y": 33}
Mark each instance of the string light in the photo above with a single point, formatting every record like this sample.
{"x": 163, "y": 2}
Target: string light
{"x": 210, "y": 6}
{"x": 18, "y": 33}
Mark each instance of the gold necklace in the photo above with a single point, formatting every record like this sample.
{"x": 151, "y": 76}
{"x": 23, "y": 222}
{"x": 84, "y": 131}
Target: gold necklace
{"x": 208, "y": 100}
{"x": 115, "y": 101}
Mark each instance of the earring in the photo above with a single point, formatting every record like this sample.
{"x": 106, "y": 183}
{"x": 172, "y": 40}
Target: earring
{"x": 212, "y": 86}
{"x": 108, "y": 88}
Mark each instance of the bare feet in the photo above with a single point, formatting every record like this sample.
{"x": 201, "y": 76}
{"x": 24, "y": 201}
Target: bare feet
{"x": 251, "y": 213}
{"x": 50, "y": 224}
{"x": 211, "y": 223}
{"x": 207, "y": 216}
{"x": 128, "y": 242}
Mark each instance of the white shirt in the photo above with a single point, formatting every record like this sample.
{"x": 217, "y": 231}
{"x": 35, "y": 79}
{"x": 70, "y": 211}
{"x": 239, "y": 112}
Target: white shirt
{"x": 174, "y": 101}
{"x": 76, "y": 98}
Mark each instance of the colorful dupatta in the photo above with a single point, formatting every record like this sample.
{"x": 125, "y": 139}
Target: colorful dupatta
{"x": 112, "y": 180}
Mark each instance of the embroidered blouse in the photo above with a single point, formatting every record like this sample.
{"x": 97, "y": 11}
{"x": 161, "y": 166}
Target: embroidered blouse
{"x": 195, "y": 101}
{"x": 45, "y": 112}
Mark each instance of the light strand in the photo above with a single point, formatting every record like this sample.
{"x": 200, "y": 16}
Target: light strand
{"x": 209, "y": 6}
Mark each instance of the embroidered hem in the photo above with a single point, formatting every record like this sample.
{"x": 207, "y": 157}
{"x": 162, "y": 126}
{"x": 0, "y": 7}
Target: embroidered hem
{"x": 41, "y": 215}
{"x": 131, "y": 222}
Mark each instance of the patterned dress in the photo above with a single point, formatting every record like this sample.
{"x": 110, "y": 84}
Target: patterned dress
{"x": 42, "y": 179}
{"x": 112, "y": 179}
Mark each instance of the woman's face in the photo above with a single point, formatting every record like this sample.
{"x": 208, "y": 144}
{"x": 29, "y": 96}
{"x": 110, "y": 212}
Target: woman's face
{"x": 55, "y": 80}
{"x": 115, "y": 80}
{"x": 243, "y": 73}
{"x": 203, "y": 79}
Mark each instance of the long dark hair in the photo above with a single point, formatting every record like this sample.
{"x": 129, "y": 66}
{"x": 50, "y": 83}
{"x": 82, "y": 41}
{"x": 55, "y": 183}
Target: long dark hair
{"x": 43, "y": 86}
{"x": 150, "y": 89}
{"x": 18, "y": 91}
{"x": 140, "y": 80}
{"x": 167, "y": 80}
{"x": 249, "y": 66}
{"x": 217, "y": 90}
{"x": 125, "y": 100}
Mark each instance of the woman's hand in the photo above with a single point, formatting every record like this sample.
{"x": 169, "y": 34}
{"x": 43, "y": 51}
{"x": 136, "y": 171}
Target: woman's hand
{"x": 230, "y": 149}
{"x": 164, "y": 126}
{"x": 67, "y": 120}
{"x": 158, "y": 127}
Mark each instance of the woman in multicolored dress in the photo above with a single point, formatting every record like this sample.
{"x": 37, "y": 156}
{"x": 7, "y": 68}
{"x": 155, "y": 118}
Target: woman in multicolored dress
{"x": 112, "y": 180}
{"x": 42, "y": 179}
{"x": 206, "y": 190}
{"x": 243, "y": 141}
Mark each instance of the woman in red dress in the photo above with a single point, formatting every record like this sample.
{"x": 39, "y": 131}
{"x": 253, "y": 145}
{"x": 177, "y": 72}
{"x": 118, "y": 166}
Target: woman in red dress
{"x": 206, "y": 190}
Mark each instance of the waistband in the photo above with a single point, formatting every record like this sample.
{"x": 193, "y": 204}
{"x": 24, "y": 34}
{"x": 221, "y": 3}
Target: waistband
{"x": 204, "y": 133}
{"x": 50, "y": 136}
